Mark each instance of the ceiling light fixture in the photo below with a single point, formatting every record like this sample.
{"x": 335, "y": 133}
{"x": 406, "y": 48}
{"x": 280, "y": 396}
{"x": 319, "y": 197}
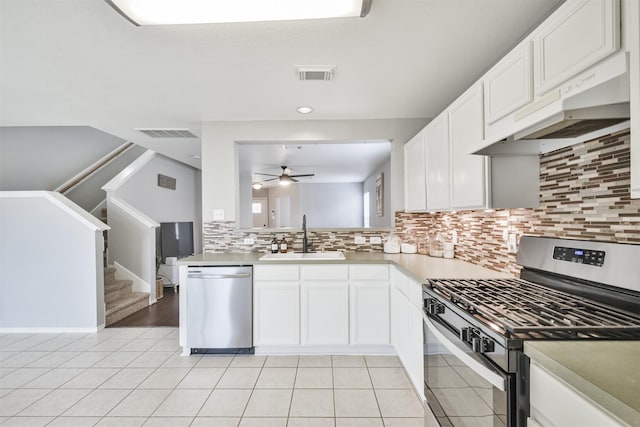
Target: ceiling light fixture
{"x": 285, "y": 180}
{"x": 167, "y": 12}
{"x": 257, "y": 185}
{"x": 304, "y": 110}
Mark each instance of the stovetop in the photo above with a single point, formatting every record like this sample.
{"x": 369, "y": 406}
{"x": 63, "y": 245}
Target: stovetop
{"x": 521, "y": 309}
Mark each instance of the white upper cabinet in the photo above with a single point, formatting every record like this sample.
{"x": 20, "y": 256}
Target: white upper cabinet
{"x": 508, "y": 85}
{"x": 437, "y": 163}
{"x": 415, "y": 193}
{"x": 468, "y": 171}
{"x": 576, "y": 36}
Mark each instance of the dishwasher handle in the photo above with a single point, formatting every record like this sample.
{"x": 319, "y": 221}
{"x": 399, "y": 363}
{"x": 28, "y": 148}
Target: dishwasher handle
{"x": 200, "y": 275}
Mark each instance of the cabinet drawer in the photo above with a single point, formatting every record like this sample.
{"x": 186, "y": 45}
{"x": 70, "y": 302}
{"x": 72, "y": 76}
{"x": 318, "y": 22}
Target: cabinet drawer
{"x": 369, "y": 272}
{"x": 276, "y": 272}
{"x": 325, "y": 272}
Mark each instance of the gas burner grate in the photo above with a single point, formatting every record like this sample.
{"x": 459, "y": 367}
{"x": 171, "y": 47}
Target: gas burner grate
{"x": 525, "y": 309}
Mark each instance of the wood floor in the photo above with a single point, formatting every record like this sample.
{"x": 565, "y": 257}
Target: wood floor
{"x": 162, "y": 313}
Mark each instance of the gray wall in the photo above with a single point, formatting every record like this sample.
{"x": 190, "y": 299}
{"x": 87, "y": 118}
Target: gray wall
{"x": 161, "y": 204}
{"x": 89, "y": 193}
{"x": 331, "y": 205}
{"x": 42, "y": 158}
{"x": 369, "y": 184}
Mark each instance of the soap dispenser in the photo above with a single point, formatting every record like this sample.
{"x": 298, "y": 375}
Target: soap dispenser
{"x": 283, "y": 246}
{"x": 275, "y": 247}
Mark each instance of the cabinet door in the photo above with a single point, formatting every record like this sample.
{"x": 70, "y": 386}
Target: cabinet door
{"x": 508, "y": 85}
{"x": 576, "y": 36}
{"x": 276, "y": 311}
{"x": 325, "y": 313}
{"x": 399, "y": 323}
{"x": 437, "y": 163}
{"x": 369, "y": 304}
{"x": 468, "y": 171}
{"x": 415, "y": 190}
{"x": 415, "y": 348}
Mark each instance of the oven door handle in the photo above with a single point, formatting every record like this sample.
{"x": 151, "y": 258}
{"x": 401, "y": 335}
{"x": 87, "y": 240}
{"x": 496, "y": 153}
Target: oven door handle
{"x": 489, "y": 374}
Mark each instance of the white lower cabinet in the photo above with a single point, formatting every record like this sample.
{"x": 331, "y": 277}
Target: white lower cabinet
{"x": 406, "y": 328}
{"x": 325, "y": 313}
{"x": 399, "y": 324}
{"x": 415, "y": 348}
{"x": 276, "y": 313}
{"x": 555, "y": 404}
{"x": 369, "y": 308}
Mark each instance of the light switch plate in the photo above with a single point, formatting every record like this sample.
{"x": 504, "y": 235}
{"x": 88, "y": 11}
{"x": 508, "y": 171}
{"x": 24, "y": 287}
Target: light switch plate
{"x": 218, "y": 214}
{"x": 512, "y": 246}
{"x": 361, "y": 240}
{"x": 375, "y": 240}
{"x": 249, "y": 241}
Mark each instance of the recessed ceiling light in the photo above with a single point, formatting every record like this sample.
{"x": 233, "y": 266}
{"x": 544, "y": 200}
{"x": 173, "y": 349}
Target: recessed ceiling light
{"x": 304, "y": 110}
{"x": 257, "y": 185}
{"x": 196, "y": 156}
{"x": 154, "y": 12}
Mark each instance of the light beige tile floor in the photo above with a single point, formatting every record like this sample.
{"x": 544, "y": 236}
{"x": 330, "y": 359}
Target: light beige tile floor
{"x": 137, "y": 377}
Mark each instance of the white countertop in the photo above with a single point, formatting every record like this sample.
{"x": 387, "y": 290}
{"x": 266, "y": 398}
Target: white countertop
{"x": 420, "y": 267}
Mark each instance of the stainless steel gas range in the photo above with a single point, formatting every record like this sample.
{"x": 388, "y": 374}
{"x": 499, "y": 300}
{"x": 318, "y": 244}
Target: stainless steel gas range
{"x": 475, "y": 371}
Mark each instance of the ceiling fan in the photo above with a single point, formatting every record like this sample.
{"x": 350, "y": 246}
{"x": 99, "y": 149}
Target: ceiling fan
{"x": 285, "y": 178}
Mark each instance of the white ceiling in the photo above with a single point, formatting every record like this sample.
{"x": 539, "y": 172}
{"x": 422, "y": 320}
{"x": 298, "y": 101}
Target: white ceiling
{"x": 78, "y": 62}
{"x": 330, "y": 162}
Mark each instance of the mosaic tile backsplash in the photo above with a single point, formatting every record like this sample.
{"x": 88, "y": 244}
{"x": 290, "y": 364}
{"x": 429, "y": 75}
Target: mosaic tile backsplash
{"x": 584, "y": 194}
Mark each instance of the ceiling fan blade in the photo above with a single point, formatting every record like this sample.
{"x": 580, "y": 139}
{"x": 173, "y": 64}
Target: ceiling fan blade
{"x": 267, "y": 174}
{"x": 303, "y": 175}
{"x": 293, "y": 180}
{"x": 272, "y": 179}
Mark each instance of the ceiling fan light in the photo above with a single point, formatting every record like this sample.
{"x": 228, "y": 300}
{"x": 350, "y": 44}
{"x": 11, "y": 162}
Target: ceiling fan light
{"x": 167, "y": 12}
{"x": 285, "y": 180}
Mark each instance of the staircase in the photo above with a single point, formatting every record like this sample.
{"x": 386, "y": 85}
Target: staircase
{"x": 119, "y": 299}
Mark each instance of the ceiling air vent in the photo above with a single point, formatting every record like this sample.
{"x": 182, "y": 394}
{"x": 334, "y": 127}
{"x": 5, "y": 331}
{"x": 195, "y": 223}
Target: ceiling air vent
{"x": 315, "y": 72}
{"x": 167, "y": 133}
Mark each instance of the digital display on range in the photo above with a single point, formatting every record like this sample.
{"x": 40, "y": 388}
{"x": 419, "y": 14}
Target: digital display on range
{"x": 579, "y": 256}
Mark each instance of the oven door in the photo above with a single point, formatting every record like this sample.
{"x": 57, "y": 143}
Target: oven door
{"x": 461, "y": 387}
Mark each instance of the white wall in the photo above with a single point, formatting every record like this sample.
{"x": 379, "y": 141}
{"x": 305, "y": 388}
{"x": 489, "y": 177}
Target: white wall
{"x": 161, "y": 204}
{"x": 42, "y": 158}
{"x": 132, "y": 243}
{"x": 220, "y": 184}
{"x": 369, "y": 184}
{"x": 51, "y": 269}
{"x": 331, "y": 205}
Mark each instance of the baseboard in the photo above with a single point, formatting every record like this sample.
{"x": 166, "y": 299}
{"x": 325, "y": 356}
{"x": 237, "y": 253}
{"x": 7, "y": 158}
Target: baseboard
{"x": 139, "y": 285}
{"x": 378, "y": 349}
{"x": 51, "y": 330}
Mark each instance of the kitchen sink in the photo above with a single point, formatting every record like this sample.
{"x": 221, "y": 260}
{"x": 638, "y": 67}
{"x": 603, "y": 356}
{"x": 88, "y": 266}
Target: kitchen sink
{"x": 299, "y": 256}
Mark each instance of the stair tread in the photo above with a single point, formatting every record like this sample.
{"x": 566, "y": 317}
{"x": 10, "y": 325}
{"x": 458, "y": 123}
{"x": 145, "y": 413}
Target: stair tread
{"x": 109, "y": 270}
{"x": 116, "y": 285}
{"x": 130, "y": 299}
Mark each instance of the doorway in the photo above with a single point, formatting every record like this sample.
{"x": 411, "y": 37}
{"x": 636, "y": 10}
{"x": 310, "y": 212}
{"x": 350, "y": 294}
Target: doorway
{"x": 260, "y": 212}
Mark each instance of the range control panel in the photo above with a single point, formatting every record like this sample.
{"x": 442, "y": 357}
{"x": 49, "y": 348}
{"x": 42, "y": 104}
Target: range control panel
{"x": 580, "y": 256}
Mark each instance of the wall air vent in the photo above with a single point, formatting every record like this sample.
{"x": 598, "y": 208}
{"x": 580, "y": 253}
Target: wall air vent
{"x": 167, "y": 133}
{"x": 315, "y": 72}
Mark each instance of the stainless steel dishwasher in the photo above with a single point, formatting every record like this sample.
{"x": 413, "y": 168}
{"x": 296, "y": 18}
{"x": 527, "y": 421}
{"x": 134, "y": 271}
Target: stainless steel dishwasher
{"x": 219, "y": 309}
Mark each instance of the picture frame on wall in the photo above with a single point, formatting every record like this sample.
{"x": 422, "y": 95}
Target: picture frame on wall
{"x": 380, "y": 195}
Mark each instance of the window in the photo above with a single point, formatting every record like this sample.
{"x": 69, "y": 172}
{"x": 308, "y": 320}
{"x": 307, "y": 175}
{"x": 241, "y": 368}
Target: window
{"x": 366, "y": 209}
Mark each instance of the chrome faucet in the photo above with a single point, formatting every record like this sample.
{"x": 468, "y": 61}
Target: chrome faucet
{"x": 305, "y": 242}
